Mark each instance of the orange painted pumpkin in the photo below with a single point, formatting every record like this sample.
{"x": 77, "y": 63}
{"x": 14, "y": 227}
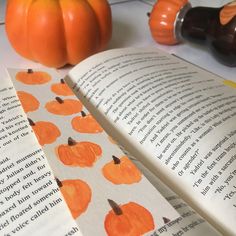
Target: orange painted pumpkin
{"x": 61, "y": 89}
{"x": 58, "y": 32}
{"x": 130, "y": 219}
{"x": 31, "y": 77}
{"x": 83, "y": 154}
{"x": 28, "y": 101}
{"x": 85, "y": 124}
{"x": 121, "y": 171}
{"x": 46, "y": 132}
{"x": 64, "y": 107}
{"x": 77, "y": 195}
{"x": 162, "y": 20}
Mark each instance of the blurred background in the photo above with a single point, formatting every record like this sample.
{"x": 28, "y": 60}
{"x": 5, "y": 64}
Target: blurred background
{"x": 130, "y": 29}
{"x": 151, "y": 2}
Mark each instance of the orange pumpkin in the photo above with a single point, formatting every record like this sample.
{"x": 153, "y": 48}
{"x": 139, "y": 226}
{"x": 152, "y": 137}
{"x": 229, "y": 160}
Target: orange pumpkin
{"x": 85, "y": 124}
{"x": 58, "y": 32}
{"x": 121, "y": 171}
{"x": 77, "y": 195}
{"x": 61, "y": 88}
{"x": 83, "y": 154}
{"x": 46, "y": 132}
{"x": 28, "y": 101}
{"x": 31, "y": 77}
{"x": 162, "y": 20}
{"x": 64, "y": 107}
{"x": 130, "y": 219}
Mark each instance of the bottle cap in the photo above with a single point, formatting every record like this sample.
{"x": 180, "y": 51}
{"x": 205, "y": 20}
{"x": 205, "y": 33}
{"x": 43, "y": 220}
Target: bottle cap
{"x": 163, "y": 20}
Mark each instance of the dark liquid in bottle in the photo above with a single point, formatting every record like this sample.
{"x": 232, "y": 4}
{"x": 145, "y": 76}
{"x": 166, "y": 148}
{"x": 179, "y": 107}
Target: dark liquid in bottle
{"x": 202, "y": 25}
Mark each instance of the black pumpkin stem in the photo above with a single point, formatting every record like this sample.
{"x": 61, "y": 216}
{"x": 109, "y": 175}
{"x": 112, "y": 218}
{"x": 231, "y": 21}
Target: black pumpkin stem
{"x": 115, "y": 207}
{"x": 71, "y": 141}
{"x": 148, "y": 14}
{"x": 30, "y": 71}
{"x": 166, "y": 220}
{"x": 31, "y": 122}
{"x": 62, "y": 81}
{"x": 59, "y": 100}
{"x": 83, "y": 114}
{"x": 59, "y": 183}
{"x": 116, "y": 160}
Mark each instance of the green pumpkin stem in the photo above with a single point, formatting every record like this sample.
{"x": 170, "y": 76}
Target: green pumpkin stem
{"x": 71, "y": 141}
{"x": 83, "y": 114}
{"x": 59, "y": 100}
{"x": 115, "y": 207}
{"x": 116, "y": 160}
{"x": 59, "y": 183}
{"x": 31, "y": 122}
{"x": 30, "y": 71}
{"x": 62, "y": 81}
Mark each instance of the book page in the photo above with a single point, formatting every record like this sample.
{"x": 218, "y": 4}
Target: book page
{"x": 189, "y": 223}
{"x": 29, "y": 195}
{"x": 99, "y": 183}
{"x": 178, "y": 119}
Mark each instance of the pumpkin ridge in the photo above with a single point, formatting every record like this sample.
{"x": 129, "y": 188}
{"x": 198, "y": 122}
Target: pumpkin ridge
{"x": 30, "y": 51}
{"x": 94, "y": 149}
{"x": 72, "y": 51}
{"x": 65, "y": 157}
{"x": 20, "y": 32}
{"x": 52, "y": 53}
{"x": 64, "y": 30}
{"x": 98, "y": 24}
{"x": 105, "y": 31}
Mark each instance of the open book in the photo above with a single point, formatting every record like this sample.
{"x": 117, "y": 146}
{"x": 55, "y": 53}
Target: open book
{"x": 97, "y": 181}
{"x": 177, "y": 120}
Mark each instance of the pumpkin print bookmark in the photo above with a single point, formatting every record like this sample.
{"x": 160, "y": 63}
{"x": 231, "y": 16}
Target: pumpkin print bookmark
{"x": 97, "y": 180}
{"x": 128, "y": 219}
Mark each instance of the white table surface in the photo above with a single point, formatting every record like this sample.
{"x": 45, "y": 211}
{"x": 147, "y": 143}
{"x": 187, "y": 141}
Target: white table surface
{"x": 130, "y": 28}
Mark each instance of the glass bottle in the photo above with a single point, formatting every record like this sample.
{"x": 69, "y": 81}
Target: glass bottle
{"x": 176, "y": 21}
